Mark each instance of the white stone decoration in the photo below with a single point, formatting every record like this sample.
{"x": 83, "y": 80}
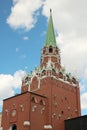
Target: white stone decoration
{"x": 47, "y": 126}
{"x": 22, "y": 107}
{"x": 42, "y": 110}
{"x": 6, "y": 110}
{"x": 34, "y": 108}
{"x": 26, "y": 123}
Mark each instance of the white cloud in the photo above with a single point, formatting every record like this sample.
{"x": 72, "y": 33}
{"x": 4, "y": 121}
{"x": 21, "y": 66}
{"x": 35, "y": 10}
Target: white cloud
{"x": 8, "y": 84}
{"x": 82, "y": 87}
{"x": 25, "y": 38}
{"x": 17, "y": 78}
{"x": 70, "y": 23}
{"x": 23, "y": 14}
{"x": 84, "y": 101}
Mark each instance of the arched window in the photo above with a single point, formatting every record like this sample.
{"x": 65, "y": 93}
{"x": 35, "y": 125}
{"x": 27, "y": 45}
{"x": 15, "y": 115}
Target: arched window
{"x": 34, "y": 99}
{"x": 60, "y": 75}
{"x": 67, "y": 77}
{"x": 44, "y": 72}
{"x": 42, "y": 102}
{"x": 50, "y": 49}
{"x": 74, "y": 80}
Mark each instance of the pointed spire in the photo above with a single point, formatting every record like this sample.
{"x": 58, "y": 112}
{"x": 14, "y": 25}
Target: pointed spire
{"x": 50, "y": 11}
{"x": 50, "y": 37}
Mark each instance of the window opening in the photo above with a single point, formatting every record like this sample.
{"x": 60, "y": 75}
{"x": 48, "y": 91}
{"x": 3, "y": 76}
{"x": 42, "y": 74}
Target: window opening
{"x": 14, "y": 127}
{"x": 34, "y": 99}
{"x": 50, "y": 50}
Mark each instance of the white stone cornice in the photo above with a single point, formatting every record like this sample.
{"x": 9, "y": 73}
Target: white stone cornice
{"x": 26, "y": 123}
{"x": 47, "y": 126}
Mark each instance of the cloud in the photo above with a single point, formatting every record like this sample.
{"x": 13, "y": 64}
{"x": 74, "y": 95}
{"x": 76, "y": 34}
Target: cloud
{"x": 25, "y": 38}
{"x": 8, "y": 84}
{"x": 84, "y": 101}
{"x": 17, "y": 78}
{"x": 24, "y": 14}
{"x": 71, "y": 26}
{"x": 70, "y": 23}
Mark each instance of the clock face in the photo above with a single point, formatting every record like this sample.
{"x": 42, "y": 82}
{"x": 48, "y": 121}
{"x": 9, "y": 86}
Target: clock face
{"x": 14, "y": 113}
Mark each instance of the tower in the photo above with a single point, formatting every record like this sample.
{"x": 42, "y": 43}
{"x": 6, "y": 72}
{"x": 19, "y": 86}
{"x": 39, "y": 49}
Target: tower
{"x": 48, "y": 95}
{"x": 50, "y": 51}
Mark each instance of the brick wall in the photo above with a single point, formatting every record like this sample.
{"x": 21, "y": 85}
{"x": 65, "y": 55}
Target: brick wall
{"x": 0, "y": 119}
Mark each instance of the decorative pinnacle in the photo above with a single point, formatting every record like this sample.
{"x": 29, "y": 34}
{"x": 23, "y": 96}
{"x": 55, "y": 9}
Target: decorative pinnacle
{"x": 50, "y": 37}
{"x": 50, "y": 11}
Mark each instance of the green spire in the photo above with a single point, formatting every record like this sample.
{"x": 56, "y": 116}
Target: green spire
{"x": 50, "y": 37}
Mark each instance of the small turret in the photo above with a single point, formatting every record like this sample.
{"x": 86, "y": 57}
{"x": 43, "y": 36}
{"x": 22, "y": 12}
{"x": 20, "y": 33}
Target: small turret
{"x": 50, "y": 49}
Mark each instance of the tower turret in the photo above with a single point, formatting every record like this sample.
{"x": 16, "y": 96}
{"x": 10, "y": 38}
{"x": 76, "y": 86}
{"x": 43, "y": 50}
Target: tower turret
{"x": 50, "y": 51}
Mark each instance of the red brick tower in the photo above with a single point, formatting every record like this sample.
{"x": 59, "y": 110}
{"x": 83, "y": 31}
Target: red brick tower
{"x": 48, "y": 95}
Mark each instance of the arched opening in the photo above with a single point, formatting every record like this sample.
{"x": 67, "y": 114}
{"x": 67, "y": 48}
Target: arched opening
{"x": 60, "y": 75}
{"x": 14, "y": 127}
{"x": 50, "y": 49}
{"x": 67, "y": 78}
{"x": 74, "y": 80}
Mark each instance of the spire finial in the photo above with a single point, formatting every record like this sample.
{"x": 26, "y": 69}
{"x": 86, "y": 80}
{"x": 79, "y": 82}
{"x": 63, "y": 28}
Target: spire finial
{"x": 50, "y": 11}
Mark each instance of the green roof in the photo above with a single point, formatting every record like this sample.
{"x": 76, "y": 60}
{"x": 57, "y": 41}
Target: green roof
{"x": 50, "y": 37}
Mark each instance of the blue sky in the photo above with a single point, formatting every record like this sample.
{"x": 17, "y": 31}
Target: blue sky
{"x": 19, "y": 47}
{"x": 23, "y": 28}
